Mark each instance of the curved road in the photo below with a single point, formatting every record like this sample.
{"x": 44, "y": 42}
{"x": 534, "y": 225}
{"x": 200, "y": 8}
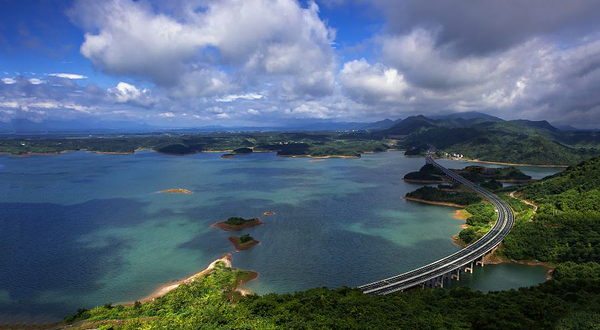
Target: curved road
{"x": 457, "y": 260}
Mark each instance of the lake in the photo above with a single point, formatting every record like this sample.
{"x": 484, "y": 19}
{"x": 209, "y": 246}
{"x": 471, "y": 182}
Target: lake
{"x": 81, "y": 229}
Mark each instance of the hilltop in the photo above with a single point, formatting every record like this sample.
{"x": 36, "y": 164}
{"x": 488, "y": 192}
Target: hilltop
{"x": 495, "y": 140}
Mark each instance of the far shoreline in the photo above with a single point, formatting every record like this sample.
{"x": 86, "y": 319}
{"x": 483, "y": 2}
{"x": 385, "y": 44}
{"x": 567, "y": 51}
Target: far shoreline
{"x": 270, "y": 151}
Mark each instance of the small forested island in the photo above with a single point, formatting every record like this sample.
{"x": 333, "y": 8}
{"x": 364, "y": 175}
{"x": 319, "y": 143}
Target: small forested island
{"x": 243, "y": 242}
{"x": 499, "y": 174}
{"x": 237, "y": 223}
{"x": 427, "y": 174}
{"x": 239, "y": 151}
{"x": 437, "y": 196}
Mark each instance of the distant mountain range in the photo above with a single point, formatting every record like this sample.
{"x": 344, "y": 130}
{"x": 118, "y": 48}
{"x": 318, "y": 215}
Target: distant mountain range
{"x": 395, "y": 127}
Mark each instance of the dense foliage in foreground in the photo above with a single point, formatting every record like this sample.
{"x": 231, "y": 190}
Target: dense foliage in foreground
{"x": 571, "y": 301}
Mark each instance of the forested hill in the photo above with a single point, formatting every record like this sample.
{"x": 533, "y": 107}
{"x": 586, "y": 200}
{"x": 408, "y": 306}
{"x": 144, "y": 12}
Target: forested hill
{"x": 493, "y": 139}
{"x": 581, "y": 178}
{"x": 566, "y": 226}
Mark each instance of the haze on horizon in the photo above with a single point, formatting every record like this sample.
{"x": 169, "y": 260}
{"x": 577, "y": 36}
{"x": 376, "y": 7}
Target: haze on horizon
{"x": 191, "y": 63}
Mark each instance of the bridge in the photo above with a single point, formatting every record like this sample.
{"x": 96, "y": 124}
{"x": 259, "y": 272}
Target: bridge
{"x": 444, "y": 270}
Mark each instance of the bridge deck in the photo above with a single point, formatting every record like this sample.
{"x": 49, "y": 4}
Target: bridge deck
{"x": 459, "y": 259}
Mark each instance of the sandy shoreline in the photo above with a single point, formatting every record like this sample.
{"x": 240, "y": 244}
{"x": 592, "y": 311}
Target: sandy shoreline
{"x": 434, "y": 203}
{"x": 461, "y": 214}
{"x": 168, "y": 287}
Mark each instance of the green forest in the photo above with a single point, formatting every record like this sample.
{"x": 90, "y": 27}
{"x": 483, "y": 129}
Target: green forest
{"x": 427, "y": 173}
{"x": 566, "y": 226}
{"x": 484, "y": 174}
{"x": 570, "y": 301}
{"x": 436, "y": 195}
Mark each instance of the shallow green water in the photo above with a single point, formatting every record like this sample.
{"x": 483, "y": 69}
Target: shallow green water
{"x": 501, "y": 277}
{"x": 81, "y": 229}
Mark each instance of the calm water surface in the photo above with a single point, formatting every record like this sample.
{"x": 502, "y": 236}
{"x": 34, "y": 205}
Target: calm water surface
{"x": 81, "y": 229}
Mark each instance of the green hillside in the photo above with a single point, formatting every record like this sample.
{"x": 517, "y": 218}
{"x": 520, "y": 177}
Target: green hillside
{"x": 519, "y": 141}
{"x": 566, "y": 226}
{"x": 571, "y": 301}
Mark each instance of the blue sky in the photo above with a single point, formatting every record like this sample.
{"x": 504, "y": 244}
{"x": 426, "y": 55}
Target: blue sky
{"x": 188, "y": 63}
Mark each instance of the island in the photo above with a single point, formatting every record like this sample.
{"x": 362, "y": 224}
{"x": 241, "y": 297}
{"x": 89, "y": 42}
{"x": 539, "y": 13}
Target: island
{"x": 237, "y": 223}
{"x": 176, "y": 191}
{"x": 243, "y": 242}
{"x": 431, "y": 195}
{"x": 480, "y": 174}
{"x": 238, "y": 151}
{"x": 427, "y": 174}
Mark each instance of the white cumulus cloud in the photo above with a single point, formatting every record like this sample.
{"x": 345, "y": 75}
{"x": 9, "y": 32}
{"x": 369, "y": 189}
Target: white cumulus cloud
{"x": 72, "y": 76}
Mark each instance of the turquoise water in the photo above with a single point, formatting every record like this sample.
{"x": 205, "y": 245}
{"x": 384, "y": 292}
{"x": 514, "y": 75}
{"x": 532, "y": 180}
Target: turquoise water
{"x": 82, "y": 229}
{"x": 501, "y": 277}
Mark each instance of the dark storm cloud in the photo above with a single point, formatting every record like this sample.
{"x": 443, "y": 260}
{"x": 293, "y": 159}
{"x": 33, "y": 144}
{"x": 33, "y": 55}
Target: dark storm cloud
{"x": 479, "y": 27}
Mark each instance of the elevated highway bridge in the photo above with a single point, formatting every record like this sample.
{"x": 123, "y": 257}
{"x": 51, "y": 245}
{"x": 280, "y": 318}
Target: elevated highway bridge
{"x": 441, "y": 271}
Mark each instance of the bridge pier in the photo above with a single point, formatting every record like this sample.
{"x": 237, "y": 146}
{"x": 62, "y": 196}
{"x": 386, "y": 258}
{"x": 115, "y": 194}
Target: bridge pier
{"x": 457, "y": 275}
{"x": 480, "y": 261}
{"x": 469, "y": 268}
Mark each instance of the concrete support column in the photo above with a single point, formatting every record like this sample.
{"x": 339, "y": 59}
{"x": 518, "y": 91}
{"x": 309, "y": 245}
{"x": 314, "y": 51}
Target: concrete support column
{"x": 455, "y": 274}
{"x": 469, "y": 268}
{"x": 480, "y": 261}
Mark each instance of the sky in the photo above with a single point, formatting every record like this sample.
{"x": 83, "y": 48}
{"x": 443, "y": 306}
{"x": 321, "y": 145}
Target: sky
{"x": 192, "y": 63}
